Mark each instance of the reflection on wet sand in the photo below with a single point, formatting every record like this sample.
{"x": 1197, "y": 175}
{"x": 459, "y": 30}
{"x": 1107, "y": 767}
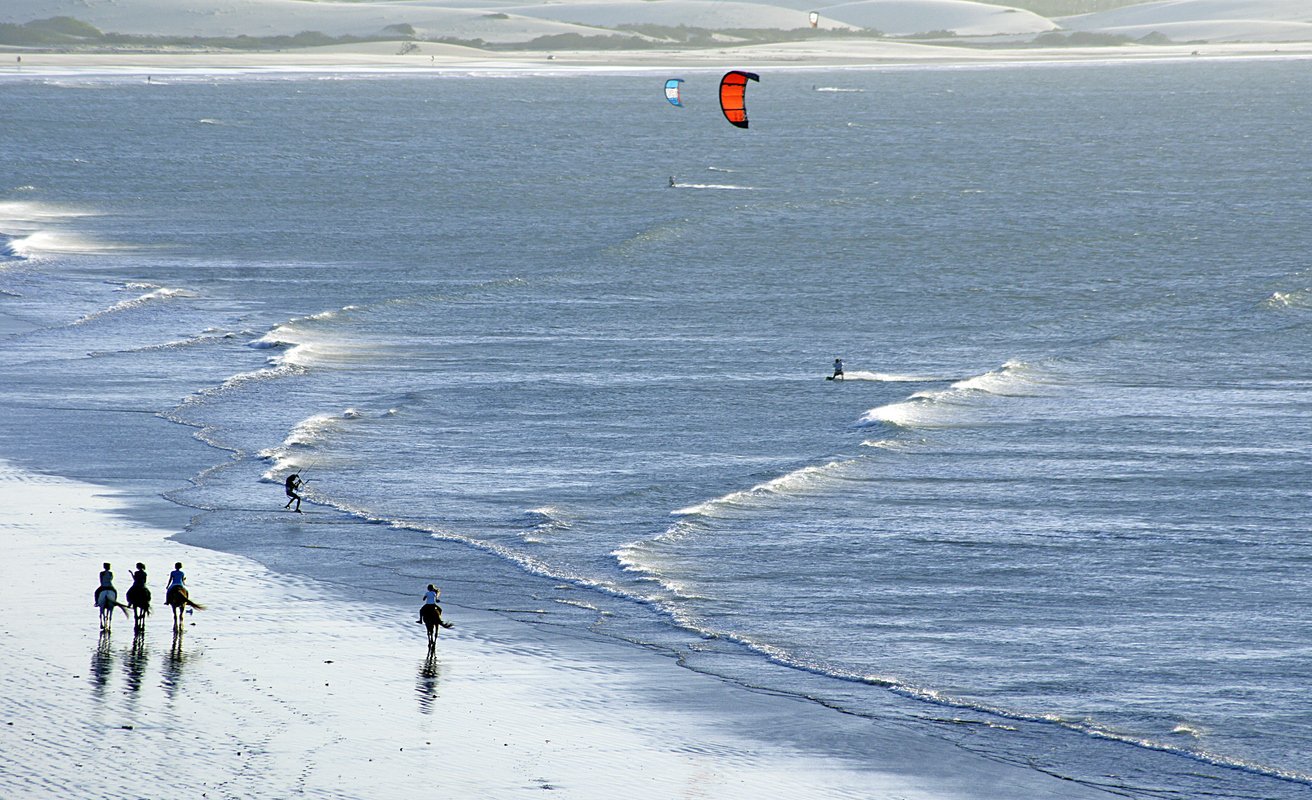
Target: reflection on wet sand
{"x": 135, "y": 666}
{"x": 102, "y": 663}
{"x": 176, "y": 659}
{"x": 430, "y": 673}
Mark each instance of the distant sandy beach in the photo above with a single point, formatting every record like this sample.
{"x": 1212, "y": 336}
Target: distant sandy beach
{"x": 382, "y": 57}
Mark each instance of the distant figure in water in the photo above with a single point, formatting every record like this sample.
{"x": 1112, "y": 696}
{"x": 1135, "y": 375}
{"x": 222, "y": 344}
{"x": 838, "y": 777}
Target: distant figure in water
{"x": 430, "y": 614}
{"x": 671, "y": 181}
{"x": 838, "y": 370}
{"x": 293, "y": 483}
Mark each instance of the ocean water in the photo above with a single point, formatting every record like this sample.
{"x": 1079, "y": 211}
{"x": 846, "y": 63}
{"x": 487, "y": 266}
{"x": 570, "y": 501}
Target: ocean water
{"x": 1057, "y": 512}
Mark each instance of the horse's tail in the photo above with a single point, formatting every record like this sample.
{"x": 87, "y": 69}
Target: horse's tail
{"x": 124, "y": 608}
{"x": 193, "y": 604}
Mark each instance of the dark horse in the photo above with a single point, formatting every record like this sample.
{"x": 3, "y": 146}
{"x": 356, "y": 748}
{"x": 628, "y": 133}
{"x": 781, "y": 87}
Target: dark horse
{"x": 178, "y": 600}
{"x": 139, "y": 598}
{"x": 432, "y": 618}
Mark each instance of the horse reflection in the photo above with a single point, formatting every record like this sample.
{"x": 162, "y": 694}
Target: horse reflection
{"x": 430, "y": 673}
{"x": 135, "y": 666}
{"x": 102, "y": 664}
{"x": 173, "y": 664}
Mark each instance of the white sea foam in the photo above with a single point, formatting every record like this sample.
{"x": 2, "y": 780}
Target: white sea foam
{"x": 543, "y": 522}
{"x": 306, "y": 435}
{"x": 238, "y": 381}
{"x": 305, "y": 341}
{"x": 18, "y": 212}
{"x": 954, "y": 405}
{"x": 795, "y": 482}
{"x": 154, "y": 296}
{"x": 726, "y": 186}
{"x": 890, "y": 377}
{"x": 176, "y": 344}
{"x": 1298, "y": 298}
{"x": 58, "y": 242}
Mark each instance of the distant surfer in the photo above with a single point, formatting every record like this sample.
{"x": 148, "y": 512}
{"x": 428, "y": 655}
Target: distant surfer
{"x": 671, "y": 181}
{"x": 293, "y": 483}
{"x": 838, "y": 370}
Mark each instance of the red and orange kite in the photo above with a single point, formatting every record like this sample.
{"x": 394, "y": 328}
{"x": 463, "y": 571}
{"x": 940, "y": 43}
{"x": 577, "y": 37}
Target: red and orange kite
{"x": 733, "y": 91}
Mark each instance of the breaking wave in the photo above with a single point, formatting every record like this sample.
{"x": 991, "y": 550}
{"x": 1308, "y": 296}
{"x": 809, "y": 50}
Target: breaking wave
{"x": 153, "y": 296}
{"x": 958, "y": 403}
{"x": 794, "y": 483}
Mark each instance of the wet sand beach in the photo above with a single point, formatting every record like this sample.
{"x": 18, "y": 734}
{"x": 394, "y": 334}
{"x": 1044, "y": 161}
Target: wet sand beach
{"x": 279, "y": 688}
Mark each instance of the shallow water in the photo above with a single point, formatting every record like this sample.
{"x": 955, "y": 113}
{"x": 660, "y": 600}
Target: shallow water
{"x": 1061, "y": 490}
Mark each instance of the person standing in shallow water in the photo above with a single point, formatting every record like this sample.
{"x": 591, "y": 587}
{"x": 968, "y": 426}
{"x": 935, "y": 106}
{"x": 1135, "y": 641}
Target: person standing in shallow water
{"x": 293, "y": 483}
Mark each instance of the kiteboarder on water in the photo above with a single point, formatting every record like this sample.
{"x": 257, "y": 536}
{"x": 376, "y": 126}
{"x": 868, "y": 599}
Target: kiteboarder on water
{"x": 293, "y": 483}
{"x": 838, "y": 370}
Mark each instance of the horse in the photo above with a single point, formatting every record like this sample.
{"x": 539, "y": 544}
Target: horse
{"x": 106, "y": 601}
{"x": 432, "y": 617}
{"x": 139, "y": 602}
{"x": 177, "y": 599}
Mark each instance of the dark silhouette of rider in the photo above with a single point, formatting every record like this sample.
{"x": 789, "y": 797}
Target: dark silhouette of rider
{"x": 293, "y": 483}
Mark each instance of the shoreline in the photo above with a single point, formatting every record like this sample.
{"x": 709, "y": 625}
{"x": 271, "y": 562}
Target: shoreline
{"x": 389, "y": 600}
{"x": 438, "y": 59}
{"x": 282, "y": 686}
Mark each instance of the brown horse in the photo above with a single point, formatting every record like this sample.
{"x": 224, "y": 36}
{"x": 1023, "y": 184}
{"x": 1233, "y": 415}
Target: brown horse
{"x": 106, "y": 601}
{"x": 432, "y": 618}
{"x": 179, "y": 601}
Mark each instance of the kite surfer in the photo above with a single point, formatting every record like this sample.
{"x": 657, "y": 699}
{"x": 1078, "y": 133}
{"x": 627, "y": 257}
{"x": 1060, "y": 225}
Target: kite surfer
{"x": 671, "y": 181}
{"x": 838, "y": 370}
{"x": 293, "y": 483}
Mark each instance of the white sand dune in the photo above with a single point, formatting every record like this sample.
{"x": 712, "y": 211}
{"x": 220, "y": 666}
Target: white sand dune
{"x": 692, "y": 13}
{"x": 505, "y": 21}
{"x": 909, "y": 17}
{"x": 1213, "y": 20}
{"x": 288, "y": 17}
{"x": 1220, "y": 30}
